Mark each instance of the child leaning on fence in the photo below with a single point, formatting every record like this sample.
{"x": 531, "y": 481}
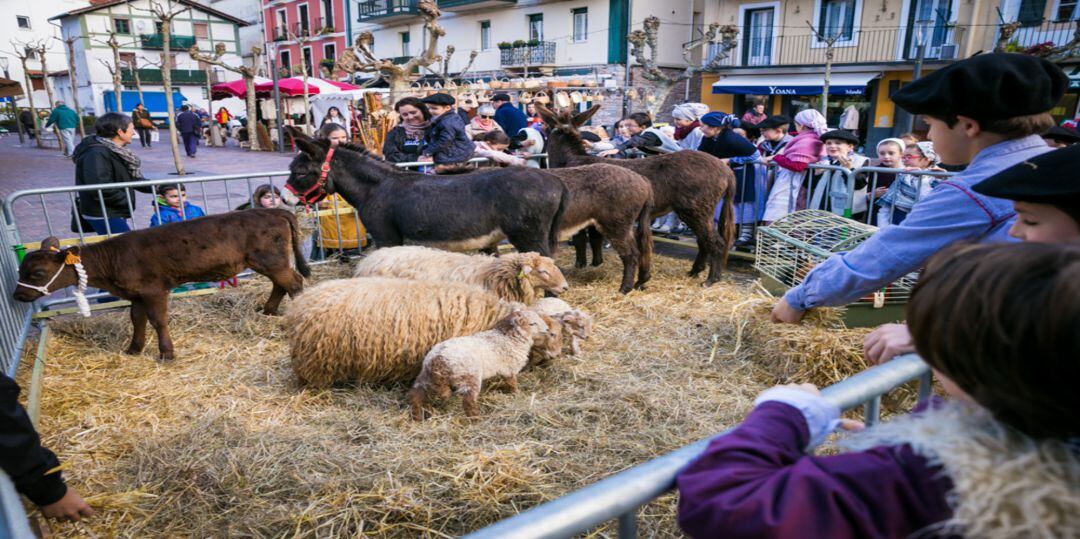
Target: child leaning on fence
{"x": 172, "y": 206}
{"x": 908, "y": 188}
{"x": 997, "y": 323}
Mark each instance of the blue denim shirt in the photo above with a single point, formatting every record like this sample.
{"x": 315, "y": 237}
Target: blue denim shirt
{"x": 952, "y": 212}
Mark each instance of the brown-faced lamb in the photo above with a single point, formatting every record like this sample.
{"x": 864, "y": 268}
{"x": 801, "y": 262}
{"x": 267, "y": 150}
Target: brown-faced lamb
{"x": 512, "y": 277}
{"x": 552, "y": 345}
{"x": 577, "y": 325}
{"x": 462, "y": 364}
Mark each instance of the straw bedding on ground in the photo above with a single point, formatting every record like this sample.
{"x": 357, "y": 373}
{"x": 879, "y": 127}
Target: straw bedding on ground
{"x": 223, "y": 442}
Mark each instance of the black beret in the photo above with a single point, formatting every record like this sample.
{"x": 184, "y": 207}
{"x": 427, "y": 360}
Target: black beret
{"x": 990, "y": 86}
{"x": 439, "y": 99}
{"x": 590, "y": 136}
{"x": 1062, "y": 134}
{"x": 774, "y": 122}
{"x": 1048, "y": 178}
{"x": 841, "y": 135}
{"x": 501, "y": 97}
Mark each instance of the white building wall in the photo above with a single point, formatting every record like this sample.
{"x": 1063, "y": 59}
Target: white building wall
{"x": 93, "y": 76}
{"x": 510, "y": 23}
{"x": 251, "y": 12}
{"x": 38, "y": 12}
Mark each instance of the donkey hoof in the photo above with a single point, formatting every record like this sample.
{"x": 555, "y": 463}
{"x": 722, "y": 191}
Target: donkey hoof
{"x": 166, "y": 357}
{"x": 625, "y": 289}
{"x": 580, "y": 264}
{"x": 133, "y": 350}
{"x": 709, "y": 282}
{"x": 596, "y": 262}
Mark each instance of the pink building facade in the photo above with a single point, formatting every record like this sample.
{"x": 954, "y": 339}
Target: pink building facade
{"x": 309, "y": 33}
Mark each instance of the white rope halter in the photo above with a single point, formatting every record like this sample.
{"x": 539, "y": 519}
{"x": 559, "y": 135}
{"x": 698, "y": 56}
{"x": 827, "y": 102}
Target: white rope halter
{"x": 80, "y": 290}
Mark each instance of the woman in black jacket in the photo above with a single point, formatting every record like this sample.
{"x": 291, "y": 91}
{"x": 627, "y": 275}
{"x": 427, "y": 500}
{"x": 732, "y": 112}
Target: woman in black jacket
{"x": 104, "y": 159}
{"x": 404, "y": 141}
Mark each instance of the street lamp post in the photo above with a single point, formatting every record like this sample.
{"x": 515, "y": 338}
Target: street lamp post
{"x": 4, "y": 64}
{"x": 920, "y": 53}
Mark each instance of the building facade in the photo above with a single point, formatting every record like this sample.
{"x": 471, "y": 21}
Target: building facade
{"x": 26, "y": 21}
{"x": 782, "y": 47}
{"x": 249, "y": 11}
{"x": 142, "y": 42}
{"x": 305, "y": 34}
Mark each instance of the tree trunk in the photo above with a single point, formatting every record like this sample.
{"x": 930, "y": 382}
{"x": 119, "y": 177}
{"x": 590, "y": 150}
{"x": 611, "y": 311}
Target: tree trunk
{"x": 215, "y": 133}
{"x": 74, "y": 86}
{"x": 166, "y": 81}
{"x": 30, "y": 101}
{"x": 52, "y": 102}
{"x": 138, "y": 83}
{"x": 252, "y": 116}
{"x": 118, "y": 87}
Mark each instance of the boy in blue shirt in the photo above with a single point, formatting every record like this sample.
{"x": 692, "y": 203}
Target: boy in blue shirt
{"x": 992, "y": 127}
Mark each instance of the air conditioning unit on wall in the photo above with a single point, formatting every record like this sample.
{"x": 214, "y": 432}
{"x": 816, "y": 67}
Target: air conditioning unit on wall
{"x": 948, "y": 52}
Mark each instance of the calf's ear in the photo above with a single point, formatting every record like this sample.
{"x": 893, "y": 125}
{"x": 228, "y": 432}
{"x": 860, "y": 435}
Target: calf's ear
{"x": 50, "y": 244}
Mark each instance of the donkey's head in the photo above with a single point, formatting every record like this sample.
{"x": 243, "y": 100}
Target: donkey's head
{"x": 318, "y": 167}
{"x": 564, "y": 119}
{"x": 42, "y": 271}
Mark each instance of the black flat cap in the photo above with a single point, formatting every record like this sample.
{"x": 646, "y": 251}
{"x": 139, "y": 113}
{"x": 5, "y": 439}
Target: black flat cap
{"x": 501, "y": 97}
{"x": 590, "y": 136}
{"x": 841, "y": 135}
{"x": 991, "y": 86}
{"x": 1049, "y": 178}
{"x": 439, "y": 99}
{"x": 774, "y": 122}
{"x": 1062, "y": 134}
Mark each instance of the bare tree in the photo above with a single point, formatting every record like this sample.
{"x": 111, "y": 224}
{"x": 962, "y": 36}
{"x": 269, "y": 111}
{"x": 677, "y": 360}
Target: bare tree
{"x": 164, "y": 11}
{"x": 647, "y": 37}
{"x": 115, "y": 68}
{"x": 830, "y": 43}
{"x": 360, "y": 59}
{"x": 133, "y": 65}
{"x": 248, "y": 73}
{"x": 215, "y": 131}
{"x": 305, "y": 72}
{"x": 444, "y": 73}
{"x": 69, "y": 43}
{"x": 40, "y": 48}
{"x": 22, "y": 52}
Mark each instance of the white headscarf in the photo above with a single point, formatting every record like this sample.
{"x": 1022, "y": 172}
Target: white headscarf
{"x": 895, "y": 141}
{"x": 813, "y": 119}
{"x": 927, "y": 149}
{"x": 689, "y": 111}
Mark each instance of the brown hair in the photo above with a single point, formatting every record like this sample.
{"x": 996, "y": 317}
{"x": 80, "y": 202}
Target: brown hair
{"x": 1012, "y": 128}
{"x": 1001, "y": 321}
{"x": 413, "y": 102}
{"x": 492, "y": 137}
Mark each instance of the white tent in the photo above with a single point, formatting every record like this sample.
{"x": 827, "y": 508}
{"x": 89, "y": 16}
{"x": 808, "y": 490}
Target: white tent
{"x": 321, "y": 103}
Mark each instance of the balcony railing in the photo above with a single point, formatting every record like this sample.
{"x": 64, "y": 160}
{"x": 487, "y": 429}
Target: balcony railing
{"x": 536, "y": 55}
{"x": 156, "y": 41}
{"x": 1042, "y": 34}
{"x": 761, "y": 47}
{"x": 381, "y": 9}
{"x": 280, "y": 33}
{"x": 451, "y": 5}
{"x": 153, "y": 76}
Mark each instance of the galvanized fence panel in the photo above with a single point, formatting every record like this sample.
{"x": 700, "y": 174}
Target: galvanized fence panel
{"x": 618, "y": 497}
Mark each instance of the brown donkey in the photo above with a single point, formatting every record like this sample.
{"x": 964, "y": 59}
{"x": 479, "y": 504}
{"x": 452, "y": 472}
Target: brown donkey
{"x": 612, "y": 199}
{"x": 690, "y": 183}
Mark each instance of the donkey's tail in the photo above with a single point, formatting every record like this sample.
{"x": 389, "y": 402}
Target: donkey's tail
{"x": 644, "y": 234}
{"x": 556, "y": 221}
{"x": 298, "y": 253}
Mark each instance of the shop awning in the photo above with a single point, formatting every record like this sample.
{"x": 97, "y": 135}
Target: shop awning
{"x": 794, "y": 84}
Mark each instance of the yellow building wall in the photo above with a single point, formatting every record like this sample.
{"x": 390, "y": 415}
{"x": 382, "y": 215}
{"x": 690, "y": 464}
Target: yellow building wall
{"x": 721, "y": 102}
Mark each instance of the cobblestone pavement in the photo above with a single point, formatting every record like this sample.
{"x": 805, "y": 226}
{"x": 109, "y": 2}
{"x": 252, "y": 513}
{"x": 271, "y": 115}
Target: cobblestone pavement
{"x": 29, "y": 167}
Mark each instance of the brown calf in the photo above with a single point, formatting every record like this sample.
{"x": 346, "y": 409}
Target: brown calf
{"x": 144, "y": 265}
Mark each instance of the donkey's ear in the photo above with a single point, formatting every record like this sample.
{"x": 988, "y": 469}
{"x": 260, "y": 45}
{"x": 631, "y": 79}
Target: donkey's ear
{"x": 308, "y": 145}
{"x": 580, "y": 119}
{"x": 50, "y": 244}
{"x": 545, "y": 114}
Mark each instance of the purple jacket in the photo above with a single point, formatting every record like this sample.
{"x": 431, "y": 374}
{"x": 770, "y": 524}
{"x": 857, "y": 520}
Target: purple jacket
{"x": 758, "y": 481}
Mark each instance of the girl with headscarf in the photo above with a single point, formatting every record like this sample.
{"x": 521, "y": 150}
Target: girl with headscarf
{"x": 908, "y": 188}
{"x": 483, "y": 122}
{"x": 687, "y": 120}
{"x": 720, "y": 140}
{"x": 804, "y": 149}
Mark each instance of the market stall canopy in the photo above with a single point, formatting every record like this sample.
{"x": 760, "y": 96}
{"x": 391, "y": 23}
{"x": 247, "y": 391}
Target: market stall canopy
{"x": 794, "y": 84}
{"x": 294, "y": 86}
{"x": 236, "y": 88}
{"x": 10, "y": 88}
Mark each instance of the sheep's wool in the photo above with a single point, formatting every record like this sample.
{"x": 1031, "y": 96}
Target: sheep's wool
{"x": 1005, "y": 485}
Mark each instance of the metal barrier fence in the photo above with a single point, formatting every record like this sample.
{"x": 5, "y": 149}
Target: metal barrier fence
{"x": 619, "y": 496}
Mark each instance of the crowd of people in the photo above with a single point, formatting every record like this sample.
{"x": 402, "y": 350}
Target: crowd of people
{"x": 994, "y": 318}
